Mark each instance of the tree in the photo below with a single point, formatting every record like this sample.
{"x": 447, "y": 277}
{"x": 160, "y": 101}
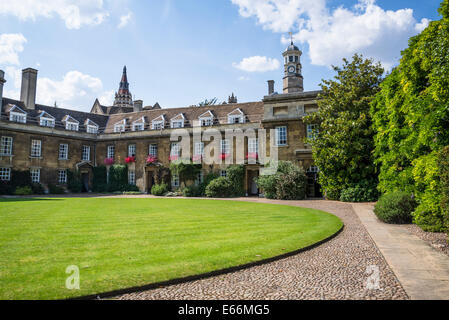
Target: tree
{"x": 343, "y": 146}
{"x": 207, "y": 102}
{"x": 411, "y": 117}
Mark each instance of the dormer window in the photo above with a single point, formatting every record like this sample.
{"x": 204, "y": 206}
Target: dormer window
{"x": 158, "y": 123}
{"x": 206, "y": 119}
{"x": 70, "y": 123}
{"x": 91, "y": 127}
{"x": 17, "y": 115}
{"x": 139, "y": 125}
{"x": 236, "y": 117}
{"x": 46, "y": 120}
{"x": 177, "y": 122}
{"x": 120, "y": 126}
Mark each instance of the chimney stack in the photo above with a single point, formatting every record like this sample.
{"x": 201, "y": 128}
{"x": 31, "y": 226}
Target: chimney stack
{"x": 270, "y": 87}
{"x": 2, "y": 82}
{"x": 28, "y": 91}
{"x": 138, "y": 105}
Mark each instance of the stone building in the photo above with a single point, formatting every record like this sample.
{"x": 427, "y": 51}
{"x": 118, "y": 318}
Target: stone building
{"x": 48, "y": 141}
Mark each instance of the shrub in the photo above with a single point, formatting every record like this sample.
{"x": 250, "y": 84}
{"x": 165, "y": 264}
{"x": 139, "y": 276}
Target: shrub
{"x": 53, "y": 189}
{"x": 118, "y": 178}
{"x": 236, "y": 175}
{"x": 6, "y": 188}
{"x": 38, "y": 188}
{"x": 99, "y": 181}
{"x": 74, "y": 181}
{"x": 288, "y": 183}
{"x": 20, "y": 178}
{"x": 193, "y": 191}
{"x": 361, "y": 192}
{"x": 220, "y": 188}
{"x": 159, "y": 189}
{"x": 443, "y": 166}
{"x": 395, "y": 208}
{"x": 23, "y": 191}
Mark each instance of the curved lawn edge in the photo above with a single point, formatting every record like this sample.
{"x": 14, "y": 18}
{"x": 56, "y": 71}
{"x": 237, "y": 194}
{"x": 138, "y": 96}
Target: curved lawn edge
{"x": 203, "y": 276}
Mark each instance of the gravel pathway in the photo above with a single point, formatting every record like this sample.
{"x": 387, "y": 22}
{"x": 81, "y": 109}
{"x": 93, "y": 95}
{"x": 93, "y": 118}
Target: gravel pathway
{"x": 438, "y": 241}
{"x": 334, "y": 270}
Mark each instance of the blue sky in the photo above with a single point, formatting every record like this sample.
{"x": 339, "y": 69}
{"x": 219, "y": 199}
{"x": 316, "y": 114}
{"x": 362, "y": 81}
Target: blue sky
{"x": 180, "y": 52}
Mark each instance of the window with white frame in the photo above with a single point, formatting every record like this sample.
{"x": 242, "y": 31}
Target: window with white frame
{"x": 86, "y": 153}
{"x": 71, "y": 126}
{"x": 178, "y": 123}
{"x": 152, "y": 150}
{"x": 157, "y": 125}
{"x": 175, "y": 150}
{"x": 312, "y": 131}
{"x": 17, "y": 117}
{"x": 132, "y": 177}
{"x": 206, "y": 122}
{"x": 281, "y": 136}
{"x": 223, "y": 173}
{"x": 35, "y": 175}
{"x": 6, "y": 146}
{"x": 36, "y": 148}
{"x": 175, "y": 181}
{"x": 63, "y": 151}
{"x": 225, "y": 147}
{"x": 199, "y": 149}
{"x": 92, "y": 129}
{"x": 234, "y": 119}
{"x": 253, "y": 145}
{"x": 119, "y": 127}
{"x": 111, "y": 152}
{"x": 313, "y": 169}
{"x": 131, "y": 150}
{"x": 138, "y": 126}
{"x": 5, "y": 174}
{"x": 47, "y": 122}
{"x": 199, "y": 178}
{"x": 62, "y": 176}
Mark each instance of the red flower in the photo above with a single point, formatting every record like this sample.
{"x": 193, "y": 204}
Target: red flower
{"x": 224, "y": 156}
{"x": 197, "y": 158}
{"x": 151, "y": 159}
{"x": 173, "y": 158}
{"x": 252, "y": 156}
{"x": 130, "y": 160}
{"x": 109, "y": 161}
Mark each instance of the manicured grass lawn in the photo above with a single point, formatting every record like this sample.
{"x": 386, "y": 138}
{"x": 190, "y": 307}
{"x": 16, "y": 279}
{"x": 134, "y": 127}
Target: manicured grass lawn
{"x": 120, "y": 243}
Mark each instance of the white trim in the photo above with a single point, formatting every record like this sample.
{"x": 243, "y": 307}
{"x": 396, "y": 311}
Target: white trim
{"x": 233, "y": 117}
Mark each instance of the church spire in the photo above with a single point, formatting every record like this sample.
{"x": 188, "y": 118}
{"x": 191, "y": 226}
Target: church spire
{"x": 123, "y": 98}
{"x": 124, "y": 85}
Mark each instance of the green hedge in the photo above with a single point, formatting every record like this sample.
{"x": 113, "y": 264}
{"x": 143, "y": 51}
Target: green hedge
{"x": 159, "y": 189}
{"x": 219, "y": 188}
{"x": 395, "y": 208}
{"x": 443, "y": 165}
{"x": 365, "y": 191}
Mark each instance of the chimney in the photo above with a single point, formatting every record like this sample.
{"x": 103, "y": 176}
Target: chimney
{"x": 270, "y": 87}
{"x": 138, "y": 105}
{"x": 28, "y": 91}
{"x": 2, "y": 82}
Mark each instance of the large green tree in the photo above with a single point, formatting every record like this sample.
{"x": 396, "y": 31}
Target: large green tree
{"x": 344, "y": 144}
{"x": 411, "y": 118}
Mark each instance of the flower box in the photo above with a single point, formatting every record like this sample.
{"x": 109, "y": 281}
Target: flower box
{"x": 151, "y": 159}
{"x": 130, "y": 160}
{"x": 109, "y": 161}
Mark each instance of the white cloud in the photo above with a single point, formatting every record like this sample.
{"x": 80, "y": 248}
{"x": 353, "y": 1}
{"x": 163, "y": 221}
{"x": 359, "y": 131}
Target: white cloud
{"x": 422, "y": 25}
{"x": 11, "y": 44}
{"x": 124, "y": 20}
{"x": 75, "y": 13}
{"x": 257, "y": 64}
{"x": 107, "y": 98}
{"x": 332, "y": 35}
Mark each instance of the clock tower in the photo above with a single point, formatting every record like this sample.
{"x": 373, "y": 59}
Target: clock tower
{"x": 293, "y": 80}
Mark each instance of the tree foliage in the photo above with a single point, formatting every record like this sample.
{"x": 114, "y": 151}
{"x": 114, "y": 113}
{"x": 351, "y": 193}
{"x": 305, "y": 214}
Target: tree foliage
{"x": 344, "y": 144}
{"x": 411, "y": 118}
{"x": 208, "y": 102}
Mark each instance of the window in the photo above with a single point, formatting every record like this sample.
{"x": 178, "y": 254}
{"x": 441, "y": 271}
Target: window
{"x": 111, "y": 152}
{"x": 5, "y": 174}
{"x": 253, "y": 145}
{"x": 312, "y": 131}
{"x": 200, "y": 178}
{"x": 62, "y": 176}
{"x": 138, "y": 126}
{"x": 152, "y": 150}
{"x": 47, "y": 122}
{"x": 206, "y": 122}
{"x": 225, "y": 147}
{"x": 157, "y": 125}
{"x": 175, "y": 124}
{"x": 132, "y": 177}
{"x": 119, "y": 127}
{"x": 235, "y": 119}
{"x": 92, "y": 129}
{"x": 17, "y": 117}
{"x": 313, "y": 169}
{"x": 86, "y": 153}
{"x": 175, "y": 150}
{"x": 63, "y": 152}
{"x": 290, "y": 58}
{"x": 296, "y": 58}
{"x": 223, "y": 173}
{"x": 175, "y": 181}
{"x": 35, "y": 175}
{"x": 132, "y": 150}
{"x": 199, "y": 149}
{"x": 36, "y": 148}
{"x": 71, "y": 126}
{"x": 6, "y": 146}
{"x": 281, "y": 136}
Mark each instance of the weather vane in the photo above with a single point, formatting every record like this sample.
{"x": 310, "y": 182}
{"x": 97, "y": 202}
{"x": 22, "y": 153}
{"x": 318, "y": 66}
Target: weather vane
{"x": 291, "y": 36}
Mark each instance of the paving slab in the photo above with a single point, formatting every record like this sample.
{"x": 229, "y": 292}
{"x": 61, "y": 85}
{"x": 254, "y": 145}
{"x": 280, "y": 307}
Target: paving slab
{"x": 422, "y": 270}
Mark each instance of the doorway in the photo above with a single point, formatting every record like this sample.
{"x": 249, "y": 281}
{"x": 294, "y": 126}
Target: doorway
{"x": 85, "y": 182}
{"x": 252, "y": 188}
{"x": 150, "y": 180}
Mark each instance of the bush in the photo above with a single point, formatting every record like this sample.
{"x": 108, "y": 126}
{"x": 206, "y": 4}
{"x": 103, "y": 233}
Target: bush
{"x": 23, "y": 191}
{"x": 53, "y": 189}
{"x": 288, "y": 183}
{"x": 38, "y": 188}
{"x": 118, "y": 178}
{"x": 99, "y": 181}
{"x": 361, "y": 192}
{"x": 443, "y": 166}
{"x": 193, "y": 191}
{"x": 6, "y": 188}
{"x": 74, "y": 182}
{"x": 159, "y": 189}
{"x": 236, "y": 175}
{"x": 220, "y": 188}
{"x": 396, "y": 208}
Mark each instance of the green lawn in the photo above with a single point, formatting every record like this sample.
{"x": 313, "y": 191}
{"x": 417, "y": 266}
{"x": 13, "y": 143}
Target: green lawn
{"x": 120, "y": 243}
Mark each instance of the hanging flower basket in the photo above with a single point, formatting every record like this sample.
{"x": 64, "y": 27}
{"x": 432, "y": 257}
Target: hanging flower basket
{"x": 151, "y": 159}
{"x": 252, "y": 156}
{"x": 109, "y": 161}
{"x": 130, "y": 160}
{"x": 224, "y": 156}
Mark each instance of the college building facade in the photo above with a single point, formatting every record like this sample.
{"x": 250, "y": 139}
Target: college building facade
{"x": 48, "y": 141}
